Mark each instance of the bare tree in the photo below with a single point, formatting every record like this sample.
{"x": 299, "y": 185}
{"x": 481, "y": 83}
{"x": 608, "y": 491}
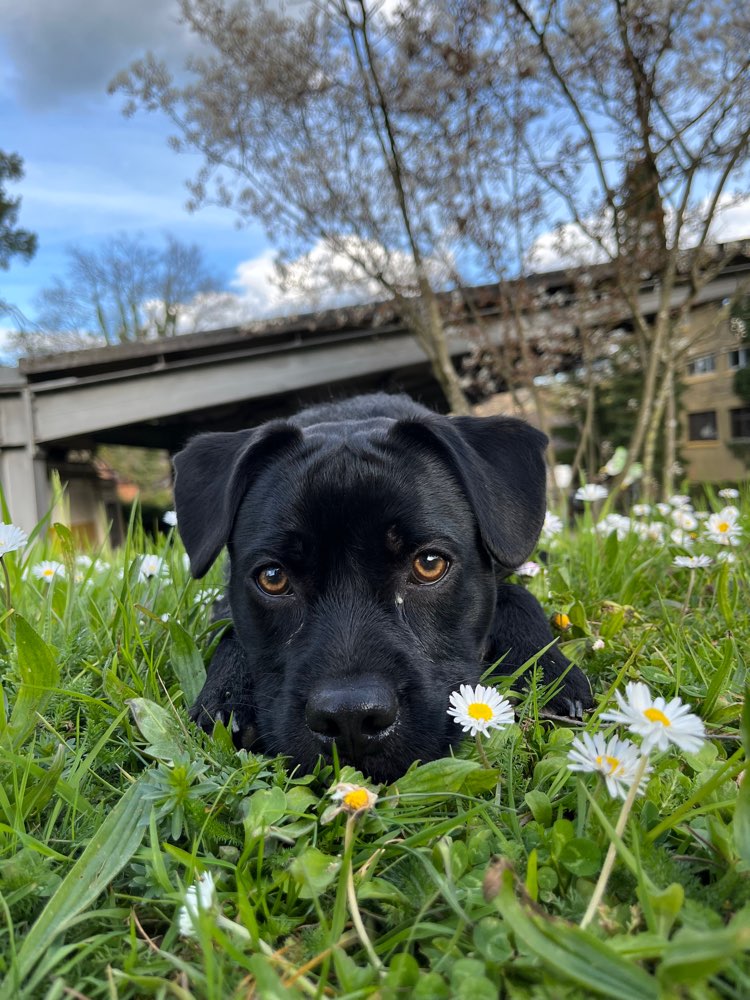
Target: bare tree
{"x": 304, "y": 125}
{"x": 635, "y": 117}
{"x": 491, "y": 206}
{"x": 123, "y": 290}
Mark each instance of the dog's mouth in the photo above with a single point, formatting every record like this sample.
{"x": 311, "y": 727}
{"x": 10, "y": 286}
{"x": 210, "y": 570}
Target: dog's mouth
{"x": 245, "y": 737}
{"x": 383, "y": 754}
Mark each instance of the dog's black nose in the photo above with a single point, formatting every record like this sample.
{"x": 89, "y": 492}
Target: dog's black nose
{"x": 354, "y": 717}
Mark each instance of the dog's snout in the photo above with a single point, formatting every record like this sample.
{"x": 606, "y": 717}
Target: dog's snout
{"x": 354, "y": 717}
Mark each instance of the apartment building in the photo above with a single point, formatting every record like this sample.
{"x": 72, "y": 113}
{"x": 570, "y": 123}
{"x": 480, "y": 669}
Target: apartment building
{"x": 715, "y": 423}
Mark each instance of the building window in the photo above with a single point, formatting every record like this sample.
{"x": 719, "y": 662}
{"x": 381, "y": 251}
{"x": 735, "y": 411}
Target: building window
{"x": 740, "y": 358}
{"x": 702, "y": 426}
{"x": 703, "y": 365}
{"x": 740, "y": 422}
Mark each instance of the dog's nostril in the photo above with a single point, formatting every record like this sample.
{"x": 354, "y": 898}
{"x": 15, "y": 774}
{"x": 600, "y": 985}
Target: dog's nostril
{"x": 351, "y": 716}
{"x": 326, "y": 726}
{"x": 376, "y": 722}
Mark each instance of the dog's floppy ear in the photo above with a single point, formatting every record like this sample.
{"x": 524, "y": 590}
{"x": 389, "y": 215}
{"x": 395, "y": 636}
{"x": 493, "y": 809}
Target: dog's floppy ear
{"x": 499, "y": 462}
{"x": 211, "y": 477}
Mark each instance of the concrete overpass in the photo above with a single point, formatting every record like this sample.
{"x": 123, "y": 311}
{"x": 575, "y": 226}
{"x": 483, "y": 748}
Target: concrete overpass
{"x": 156, "y": 394}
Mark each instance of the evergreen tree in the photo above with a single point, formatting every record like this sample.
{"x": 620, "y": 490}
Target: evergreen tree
{"x": 14, "y": 241}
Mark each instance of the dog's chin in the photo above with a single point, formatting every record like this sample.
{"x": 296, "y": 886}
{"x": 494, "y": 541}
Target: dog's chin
{"x": 377, "y": 769}
{"x": 388, "y": 762}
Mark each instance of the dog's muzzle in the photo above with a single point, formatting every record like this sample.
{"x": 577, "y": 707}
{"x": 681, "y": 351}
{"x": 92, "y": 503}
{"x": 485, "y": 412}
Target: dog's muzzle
{"x": 357, "y": 716}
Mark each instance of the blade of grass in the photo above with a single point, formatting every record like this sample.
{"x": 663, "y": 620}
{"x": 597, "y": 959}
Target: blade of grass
{"x": 107, "y": 853}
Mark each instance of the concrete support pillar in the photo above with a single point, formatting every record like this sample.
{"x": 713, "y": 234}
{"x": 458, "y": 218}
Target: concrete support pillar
{"x": 23, "y": 466}
{"x": 26, "y": 486}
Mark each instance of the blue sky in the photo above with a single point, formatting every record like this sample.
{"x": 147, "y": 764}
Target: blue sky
{"x": 90, "y": 172}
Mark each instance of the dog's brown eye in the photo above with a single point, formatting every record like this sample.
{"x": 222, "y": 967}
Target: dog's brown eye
{"x": 274, "y": 581}
{"x": 429, "y": 567}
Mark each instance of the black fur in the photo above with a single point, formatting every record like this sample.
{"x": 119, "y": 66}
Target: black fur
{"x": 342, "y": 497}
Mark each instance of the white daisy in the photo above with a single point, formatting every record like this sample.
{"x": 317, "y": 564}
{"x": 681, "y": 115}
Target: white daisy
{"x": 597, "y": 645}
{"x": 590, "y": 492}
{"x": 657, "y": 721}
{"x": 12, "y": 538}
{"x": 679, "y": 500}
{"x": 684, "y": 519}
{"x": 201, "y": 896}
{"x": 563, "y": 475}
{"x": 617, "y": 760}
{"x": 529, "y": 568}
{"x": 552, "y": 525}
{"x": 479, "y": 709}
{"x": 725, "y": 556}
{"x": 681, "y": 538}
{"x": 85, "y": 562}
{"x": 47, "y": 570}
{"x": 150, "y": 566}
{"x": 651, "y": 531}
{"x": 729, "y": 494}
{"x": 692, "y": 562}
{"x": 664, "y": 509}
{"x": 207, "y": 596}
{"x": 614, "y": 522}
{"x": 655, "y": 531}
{"x": 348, "y": 798}
{"x": 730, "y": 511}
{"x": 169, "y": 517}
{"x": 641, "y": 509}
{"x": 723, "y": 527}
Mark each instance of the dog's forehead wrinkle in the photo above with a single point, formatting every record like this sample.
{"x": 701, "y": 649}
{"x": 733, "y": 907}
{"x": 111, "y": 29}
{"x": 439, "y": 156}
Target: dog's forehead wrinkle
{"x": 360, "y": 431}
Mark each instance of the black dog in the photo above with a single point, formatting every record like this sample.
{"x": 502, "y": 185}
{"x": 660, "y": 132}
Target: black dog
{"x": 368, "y": 541}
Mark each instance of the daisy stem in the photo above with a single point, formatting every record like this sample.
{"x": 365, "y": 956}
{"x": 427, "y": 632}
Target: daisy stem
{"x": 7, "y": 582}
{"x": 482, "y": 755}
{"x": 351, "y": 896}
{"x": 609, "y": 861}
{"x": 691, "y": 584}
{"x": 242, "y": 932}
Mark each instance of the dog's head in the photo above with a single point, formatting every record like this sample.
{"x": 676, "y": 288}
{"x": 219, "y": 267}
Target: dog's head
{"x": 364, "y": 554}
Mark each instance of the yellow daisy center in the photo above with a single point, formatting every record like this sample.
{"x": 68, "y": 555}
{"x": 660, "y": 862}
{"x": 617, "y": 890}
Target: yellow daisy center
{"x": 612, "y": 762}
{"x": 356, "y": 799}
{"x": 479, "y": 710}
{"x": 655, "y": 715}
{"x": 48, "y": 572}
{"x": 723, "y": 526}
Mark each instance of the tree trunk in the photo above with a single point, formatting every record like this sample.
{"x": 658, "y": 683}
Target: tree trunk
{"x": 652, "y": 434}
{"x": 536, "y": 396}
{"x": 587, "y": 430}
{"x": 650, "y": 384}
{"x": 670, "y": 439}
{"x": 431, "y": 334}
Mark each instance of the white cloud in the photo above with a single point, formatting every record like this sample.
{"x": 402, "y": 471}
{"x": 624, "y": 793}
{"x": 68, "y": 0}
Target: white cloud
{"x": 733, "y": 220}
{"x": 258, "y": 294}
{"x": 7, "y": 355}
{"x": 568, "y": 246}
{"x": 324, "y": 278}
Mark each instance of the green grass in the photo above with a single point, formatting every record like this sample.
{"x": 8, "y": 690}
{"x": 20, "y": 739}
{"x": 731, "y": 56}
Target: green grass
{"x": 469, "y": 882}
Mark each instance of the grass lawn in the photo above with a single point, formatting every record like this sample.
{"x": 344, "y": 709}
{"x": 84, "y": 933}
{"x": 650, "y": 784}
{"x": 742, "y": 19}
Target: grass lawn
{"x": 140, "y": 857}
